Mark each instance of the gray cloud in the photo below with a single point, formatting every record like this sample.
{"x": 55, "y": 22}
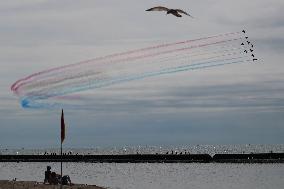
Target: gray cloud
{"x": 240, "y": 103}
{"x": 272, "y": 44}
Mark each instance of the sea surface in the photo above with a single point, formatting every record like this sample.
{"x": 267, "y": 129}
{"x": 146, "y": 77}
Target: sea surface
{"x": 193, "y": 149}
{"x": 157, "y": 175}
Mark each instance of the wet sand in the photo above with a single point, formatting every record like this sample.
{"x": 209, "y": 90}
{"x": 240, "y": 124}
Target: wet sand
{"x": 6, "y": 184}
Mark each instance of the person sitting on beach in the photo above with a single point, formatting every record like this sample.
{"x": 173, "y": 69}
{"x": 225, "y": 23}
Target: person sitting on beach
{"x": 47, "y": 175}
{"x": 53, "y": 178}
{"x": 66, "y": 180}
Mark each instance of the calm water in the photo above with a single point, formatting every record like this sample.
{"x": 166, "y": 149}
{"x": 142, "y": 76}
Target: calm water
{"x": 155, "y": 175}
{"x": 194, "y": 149}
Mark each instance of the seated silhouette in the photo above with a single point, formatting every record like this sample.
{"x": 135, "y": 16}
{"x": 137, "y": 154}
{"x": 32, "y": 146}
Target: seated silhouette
{"x": 55, "y": 179}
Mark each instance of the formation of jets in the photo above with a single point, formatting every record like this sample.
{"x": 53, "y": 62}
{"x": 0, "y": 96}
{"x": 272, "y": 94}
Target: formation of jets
{"x": 175, "y": 12}
{"x": 178, "y": 12}
{"x": 250, "y": 47}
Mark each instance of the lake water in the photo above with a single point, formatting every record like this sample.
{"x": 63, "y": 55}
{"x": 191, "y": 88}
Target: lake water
{"x": 193, "y": 149}
{"x": 158, "y": 175}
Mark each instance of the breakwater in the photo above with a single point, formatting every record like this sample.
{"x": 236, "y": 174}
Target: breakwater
{"x": 151, "y": 158}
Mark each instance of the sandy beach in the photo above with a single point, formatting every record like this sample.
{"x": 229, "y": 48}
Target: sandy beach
{"x": 6, "y": 184}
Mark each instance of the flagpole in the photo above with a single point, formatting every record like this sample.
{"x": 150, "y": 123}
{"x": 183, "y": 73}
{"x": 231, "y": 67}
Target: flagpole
{"x": 61, "y": 165}
{"x": 61, "y": 142}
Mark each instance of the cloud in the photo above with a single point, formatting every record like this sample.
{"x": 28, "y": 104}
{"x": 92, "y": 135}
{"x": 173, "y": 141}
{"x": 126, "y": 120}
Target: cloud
{"x": 209, "y": 105}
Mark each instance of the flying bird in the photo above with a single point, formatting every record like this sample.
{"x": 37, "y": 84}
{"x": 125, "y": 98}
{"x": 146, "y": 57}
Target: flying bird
{"x": 252, "y": 55}
{"x": 244, "y": 31}
{"x": 254, "y": 59}
{"x": 175, "y": 12}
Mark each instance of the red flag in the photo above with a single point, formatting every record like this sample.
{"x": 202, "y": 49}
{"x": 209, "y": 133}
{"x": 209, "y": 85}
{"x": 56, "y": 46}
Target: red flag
{"x": 62, "y": 127}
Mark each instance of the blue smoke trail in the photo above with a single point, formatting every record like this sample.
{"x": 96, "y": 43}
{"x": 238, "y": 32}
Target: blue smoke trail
{"x": 44, "y": 89}
{"x": 31, "y": 102}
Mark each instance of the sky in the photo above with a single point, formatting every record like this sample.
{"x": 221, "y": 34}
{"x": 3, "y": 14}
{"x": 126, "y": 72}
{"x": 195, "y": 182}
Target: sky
{"x": 233, "y": 104}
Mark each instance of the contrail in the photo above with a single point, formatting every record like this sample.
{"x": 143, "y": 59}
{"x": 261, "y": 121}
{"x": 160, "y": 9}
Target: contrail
{"x": 22, "y": 82}
{"x": 122, "y": 54}
{"x": 39, "y": 90}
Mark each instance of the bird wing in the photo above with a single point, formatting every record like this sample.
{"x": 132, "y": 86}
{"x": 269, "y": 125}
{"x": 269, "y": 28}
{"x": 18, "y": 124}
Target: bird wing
{"x": 159, "y": 8}
{"x": 182, "y": 11}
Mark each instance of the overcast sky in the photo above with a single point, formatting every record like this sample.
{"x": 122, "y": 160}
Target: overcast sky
{"x": 234, "y": 104}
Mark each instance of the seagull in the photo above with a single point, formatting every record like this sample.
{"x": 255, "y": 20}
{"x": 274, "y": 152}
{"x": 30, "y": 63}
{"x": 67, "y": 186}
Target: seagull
{"x": 175, "y": 12}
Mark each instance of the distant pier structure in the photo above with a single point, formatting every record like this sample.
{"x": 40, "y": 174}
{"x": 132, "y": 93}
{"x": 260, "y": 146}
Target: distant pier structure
{"x": 151, "y": 158}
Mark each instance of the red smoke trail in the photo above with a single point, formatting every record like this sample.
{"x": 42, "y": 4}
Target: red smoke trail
{"x": 127, "y": 59}
{"x": 14, "y": 87}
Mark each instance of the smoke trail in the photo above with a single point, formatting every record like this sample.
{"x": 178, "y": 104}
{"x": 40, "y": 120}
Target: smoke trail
{"x": 31, "y": 102}
{"x": 54, "y": 80}
{"x": 13, "y": 87}
{"x": 39, "y": 89}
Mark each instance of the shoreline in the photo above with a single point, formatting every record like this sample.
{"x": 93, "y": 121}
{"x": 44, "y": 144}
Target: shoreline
{"x": 7, "y": 184}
